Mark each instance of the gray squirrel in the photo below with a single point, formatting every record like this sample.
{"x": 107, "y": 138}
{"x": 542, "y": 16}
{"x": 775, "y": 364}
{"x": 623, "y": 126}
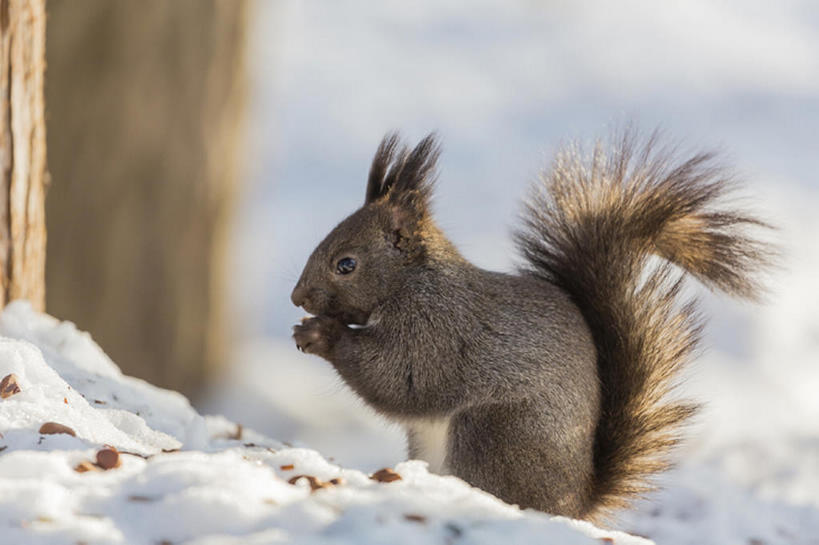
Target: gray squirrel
{"x": 548, "y": 388}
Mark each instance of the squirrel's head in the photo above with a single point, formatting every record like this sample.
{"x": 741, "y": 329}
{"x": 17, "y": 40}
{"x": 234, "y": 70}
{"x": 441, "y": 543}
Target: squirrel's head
{"x": 367, "y": 256}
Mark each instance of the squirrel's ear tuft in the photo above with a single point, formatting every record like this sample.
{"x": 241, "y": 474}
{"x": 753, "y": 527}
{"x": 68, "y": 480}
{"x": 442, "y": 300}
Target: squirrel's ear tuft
{"x": 399, "y": 173}
{"x": 377, "y": 185}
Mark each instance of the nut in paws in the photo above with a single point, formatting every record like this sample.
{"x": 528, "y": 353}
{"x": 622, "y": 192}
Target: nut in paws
{"x": 317, "y": 335}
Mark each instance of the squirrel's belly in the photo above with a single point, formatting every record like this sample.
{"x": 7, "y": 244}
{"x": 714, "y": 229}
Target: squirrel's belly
{"x": 428, "y": 440}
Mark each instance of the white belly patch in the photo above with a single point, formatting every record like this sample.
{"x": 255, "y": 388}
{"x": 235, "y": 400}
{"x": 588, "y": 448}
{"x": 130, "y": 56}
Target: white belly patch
{"x": 428, "y": 441}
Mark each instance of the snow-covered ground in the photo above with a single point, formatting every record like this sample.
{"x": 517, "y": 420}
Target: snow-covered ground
{"x": 184, "y": 478}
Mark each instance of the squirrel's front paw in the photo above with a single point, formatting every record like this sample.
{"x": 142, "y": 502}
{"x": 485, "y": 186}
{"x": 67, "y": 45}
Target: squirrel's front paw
{"x": 318, "y": 335}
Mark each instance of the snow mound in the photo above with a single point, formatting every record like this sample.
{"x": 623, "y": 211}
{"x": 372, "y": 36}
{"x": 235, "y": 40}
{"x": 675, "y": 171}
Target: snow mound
{"x": 185, "y": 478}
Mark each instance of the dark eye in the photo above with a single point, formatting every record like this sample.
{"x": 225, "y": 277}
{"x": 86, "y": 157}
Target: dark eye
{"x": 345, "y": 265}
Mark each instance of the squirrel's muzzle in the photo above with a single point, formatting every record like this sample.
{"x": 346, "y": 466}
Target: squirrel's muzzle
{"x": 299, "y": 295}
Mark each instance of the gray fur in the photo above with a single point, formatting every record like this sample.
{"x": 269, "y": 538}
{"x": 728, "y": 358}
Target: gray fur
{"x": 509, "y": 361}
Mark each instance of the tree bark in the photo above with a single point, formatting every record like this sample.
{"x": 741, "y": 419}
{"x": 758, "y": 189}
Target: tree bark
{"x": 23, "y": 176}
{"x": 145, "y": 108}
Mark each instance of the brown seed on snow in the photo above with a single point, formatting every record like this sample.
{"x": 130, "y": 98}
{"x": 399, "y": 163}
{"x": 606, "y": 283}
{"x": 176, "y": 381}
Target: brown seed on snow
{"x": 385, "y": 475}
{"x": 9, "y": 386}
{"x": 287, "y": 467}
{"x": 108, "y": 458}
{"x": 315, "y": 483}
{"x": 85, "y": 466}
{"x": 50, "y": 428}
{"x": 607, "y": 540}
{"x": 415, "y": 518}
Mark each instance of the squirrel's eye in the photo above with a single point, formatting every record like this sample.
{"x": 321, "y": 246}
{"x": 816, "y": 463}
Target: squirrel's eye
{"x": 345, "y": 265}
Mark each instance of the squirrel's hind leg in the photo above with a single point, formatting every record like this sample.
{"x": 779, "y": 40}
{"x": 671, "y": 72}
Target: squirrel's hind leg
{"x": 513, "y": 452}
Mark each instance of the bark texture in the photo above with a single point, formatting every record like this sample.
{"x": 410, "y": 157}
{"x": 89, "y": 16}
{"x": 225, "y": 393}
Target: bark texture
{"x": 23, "y": 176}
{"x": 145, "y": 101}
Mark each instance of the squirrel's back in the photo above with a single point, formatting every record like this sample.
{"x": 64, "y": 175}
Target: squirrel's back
{"x": 591, "y": 228}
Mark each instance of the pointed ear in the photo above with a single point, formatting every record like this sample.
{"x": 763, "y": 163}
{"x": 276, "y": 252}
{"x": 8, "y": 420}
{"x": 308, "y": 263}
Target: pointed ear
{"x": 384, "y": 155}
{"x": 394, "y": 174}
{"x": 417, "y": 168}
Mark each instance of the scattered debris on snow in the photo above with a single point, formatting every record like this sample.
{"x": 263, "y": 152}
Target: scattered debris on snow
{"x": 92, "y": 456}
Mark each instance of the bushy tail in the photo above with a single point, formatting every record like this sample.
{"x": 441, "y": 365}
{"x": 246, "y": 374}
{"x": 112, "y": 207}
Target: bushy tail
{"x": 591, "y": 228}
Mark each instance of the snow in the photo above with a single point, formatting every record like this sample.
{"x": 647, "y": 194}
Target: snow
{"x": 185, "y": 478}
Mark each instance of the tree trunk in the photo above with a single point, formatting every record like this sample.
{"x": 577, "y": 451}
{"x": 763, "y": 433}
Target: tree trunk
{"x": 145, "y": 107}
{"x": 23, "y": 175}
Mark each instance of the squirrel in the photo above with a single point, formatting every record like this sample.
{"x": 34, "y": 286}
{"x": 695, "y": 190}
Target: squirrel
{"x": 549, "y": 388}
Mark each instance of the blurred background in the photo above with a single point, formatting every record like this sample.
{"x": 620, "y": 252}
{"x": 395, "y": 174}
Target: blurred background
{"x": 199, "y": 150}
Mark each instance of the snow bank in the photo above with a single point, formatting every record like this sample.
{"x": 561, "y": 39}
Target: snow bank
{"x": 185, "y": 478}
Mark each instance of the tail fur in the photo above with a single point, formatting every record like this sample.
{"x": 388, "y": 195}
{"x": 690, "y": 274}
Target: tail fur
{"x": 591, "y": 227}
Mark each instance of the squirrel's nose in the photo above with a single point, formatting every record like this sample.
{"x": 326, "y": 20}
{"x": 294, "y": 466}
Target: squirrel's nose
{"x": 299, "y": 295}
